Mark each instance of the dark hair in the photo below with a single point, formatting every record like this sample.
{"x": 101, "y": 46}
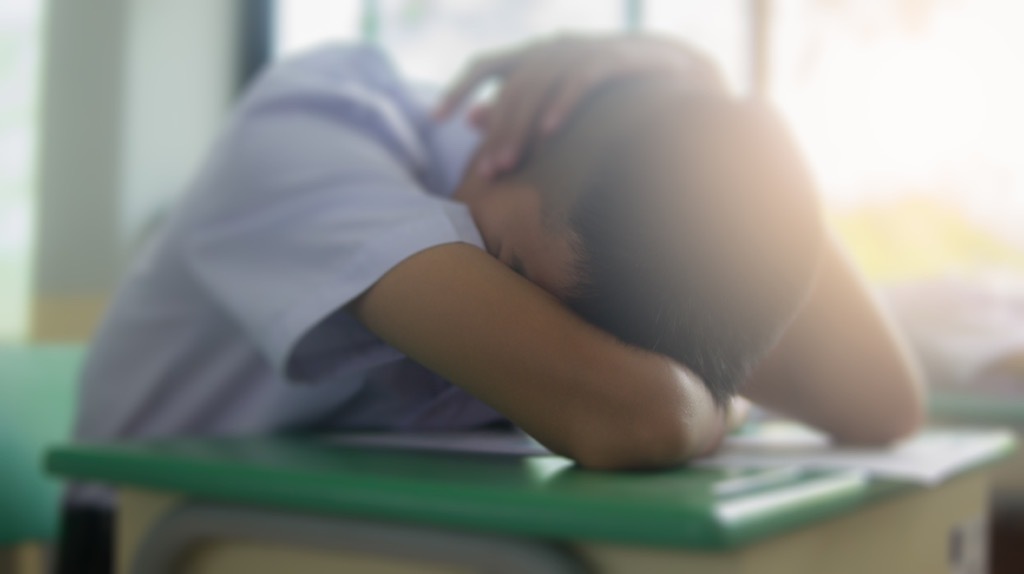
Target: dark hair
{"x": 697, "y": 224}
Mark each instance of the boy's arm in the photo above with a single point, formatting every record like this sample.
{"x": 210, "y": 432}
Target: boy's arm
{"x": 840, "y": 366}
{"x": 580, "y": 392}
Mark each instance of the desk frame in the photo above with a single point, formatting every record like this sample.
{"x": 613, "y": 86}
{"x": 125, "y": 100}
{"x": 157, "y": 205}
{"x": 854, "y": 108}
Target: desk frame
{"x": 909, "y": 532}
{"x": 188, "y": 525}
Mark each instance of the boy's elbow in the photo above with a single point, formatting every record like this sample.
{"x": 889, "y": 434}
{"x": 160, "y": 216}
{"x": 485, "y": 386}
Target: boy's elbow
{"x": 661, "y": 425}
{"x": 661, "y": 421}
{"x": 898, "y": 419}
{"x": 905, "y": 420}
{"x": 880, "y": 433}
{"x": 908, "y": 411}
{"x": 641, "y": 443}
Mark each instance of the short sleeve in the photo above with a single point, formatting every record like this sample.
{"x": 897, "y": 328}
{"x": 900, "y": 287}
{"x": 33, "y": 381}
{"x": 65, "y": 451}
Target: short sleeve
{"x": 301, "y": 209}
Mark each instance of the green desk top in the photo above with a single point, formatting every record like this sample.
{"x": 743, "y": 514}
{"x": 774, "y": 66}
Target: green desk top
{"x": 976, "y": 408}
{"x": 543, "y": 496}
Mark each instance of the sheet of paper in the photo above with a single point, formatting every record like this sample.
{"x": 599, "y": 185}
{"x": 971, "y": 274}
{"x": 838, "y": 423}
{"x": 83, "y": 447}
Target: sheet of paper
{"x": 477, "y": 442}
{"x": 928, "y": 458}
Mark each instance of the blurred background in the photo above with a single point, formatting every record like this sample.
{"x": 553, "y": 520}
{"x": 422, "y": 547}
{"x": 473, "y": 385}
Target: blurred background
{"x": 909, "y": 112}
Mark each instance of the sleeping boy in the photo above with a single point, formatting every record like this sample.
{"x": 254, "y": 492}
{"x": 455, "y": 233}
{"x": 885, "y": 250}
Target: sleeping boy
{"x": 346, "y": 260}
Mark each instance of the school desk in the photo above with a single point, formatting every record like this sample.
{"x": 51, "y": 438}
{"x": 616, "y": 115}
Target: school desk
{"x": 974, "y": 409}
{"x": 307, "y": 505}
{"x": 1007, "y": 513}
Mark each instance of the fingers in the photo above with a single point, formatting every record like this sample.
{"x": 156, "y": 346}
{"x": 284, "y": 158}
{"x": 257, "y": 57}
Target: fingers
{"x": 514, "y": 117}
{"x": 479, "y": 71}
{"x": 716, "y": 439}
{"x": 543, "y": 83}
{"x": 642, "y": 57}
{"x": 529, "y": 76}
{"x": 739, "y": 411}
{"x": 569, "y": 93}
{"x": 538, "y": 100}
{"x": 505, "y": 132}
{"x": 525, "y": 91}
{"x": 480, "y": 116}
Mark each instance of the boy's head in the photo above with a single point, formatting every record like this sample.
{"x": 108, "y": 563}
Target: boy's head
{"x": 681, "y": 223}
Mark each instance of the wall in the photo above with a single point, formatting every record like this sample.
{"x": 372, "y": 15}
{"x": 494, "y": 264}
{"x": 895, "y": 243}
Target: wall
{"x": 133, "y": 92}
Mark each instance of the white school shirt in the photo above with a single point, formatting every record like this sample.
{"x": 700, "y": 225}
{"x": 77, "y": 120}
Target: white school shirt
{"x": 233, "y": 321}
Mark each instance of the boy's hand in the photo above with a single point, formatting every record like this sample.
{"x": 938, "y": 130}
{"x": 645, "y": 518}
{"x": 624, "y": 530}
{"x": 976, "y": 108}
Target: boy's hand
{"x": 739, "y": 410}
{"x": 542, "y": 83}
{"x": 727, "y": 422}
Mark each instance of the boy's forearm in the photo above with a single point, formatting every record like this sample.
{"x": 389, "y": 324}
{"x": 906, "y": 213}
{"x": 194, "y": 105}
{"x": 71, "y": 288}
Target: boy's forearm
{"x": 841, "y": 366}
{"x": 668, "y": 419}
{"x": 574, "y": 388}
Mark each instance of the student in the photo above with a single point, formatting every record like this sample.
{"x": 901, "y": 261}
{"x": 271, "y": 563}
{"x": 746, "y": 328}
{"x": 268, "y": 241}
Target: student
{"x": 344, "y": 260}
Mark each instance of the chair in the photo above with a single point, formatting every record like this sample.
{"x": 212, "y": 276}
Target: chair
{"x": 37, "y": 397}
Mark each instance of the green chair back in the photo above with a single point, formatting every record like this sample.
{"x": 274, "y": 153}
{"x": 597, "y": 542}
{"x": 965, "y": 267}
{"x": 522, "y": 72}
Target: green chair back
{"x": 37, "y": 398}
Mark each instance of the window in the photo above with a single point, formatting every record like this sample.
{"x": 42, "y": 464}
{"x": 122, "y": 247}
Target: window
{"x": 19, "y": 64}
{"x": 908, "y": 110}
{"x": 432, "y": 39}
{"x": 910, "y": 113}
{"x": 719, "y": 28}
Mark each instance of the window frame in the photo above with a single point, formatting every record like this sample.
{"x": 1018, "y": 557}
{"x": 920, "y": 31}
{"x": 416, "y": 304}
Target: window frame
{"x": 256, "y": 38}
{"x": 258, "y": 17}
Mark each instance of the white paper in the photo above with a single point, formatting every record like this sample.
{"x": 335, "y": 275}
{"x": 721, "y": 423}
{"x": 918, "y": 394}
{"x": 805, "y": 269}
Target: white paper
{"x": 475, "y": 442}
{"x": 928, "y": 458}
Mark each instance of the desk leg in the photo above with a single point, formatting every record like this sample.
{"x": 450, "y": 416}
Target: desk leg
{"x": 189, "y": 526}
